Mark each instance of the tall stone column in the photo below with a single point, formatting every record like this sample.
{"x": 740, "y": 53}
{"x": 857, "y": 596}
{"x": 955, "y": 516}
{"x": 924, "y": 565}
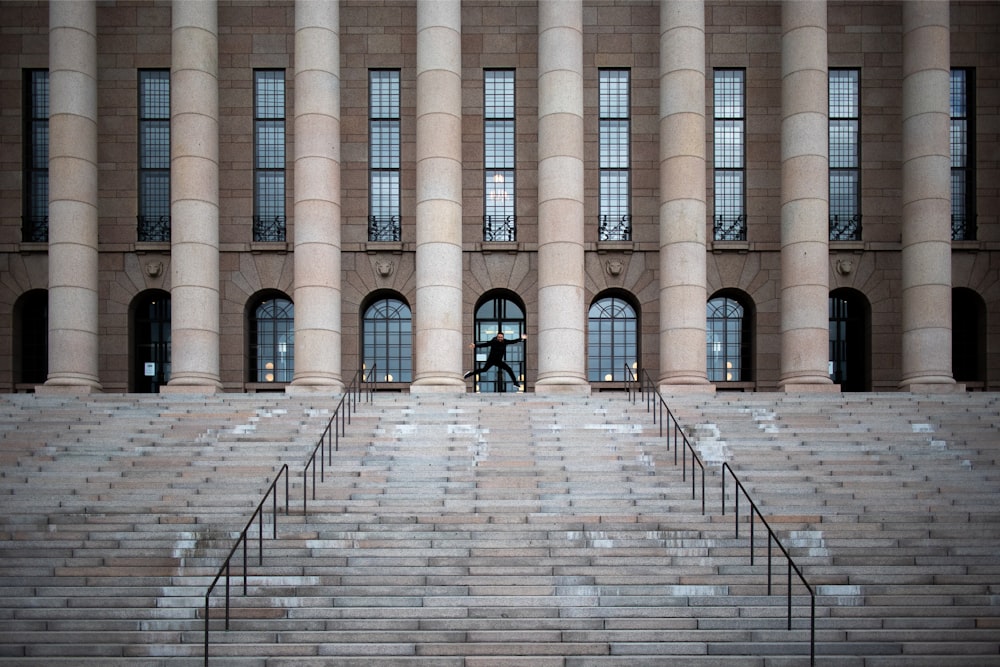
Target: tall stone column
{"x": 317, "y": 197}
{"x": 926, "y": 255}
{"x": 562, "y": 339}
{"x": 73, "y": 282}
{"x": 194, "y": 198}
{"x": 438, "y": 314}
{"x": 805, "y": 207}
{"x": 682, "y": 196}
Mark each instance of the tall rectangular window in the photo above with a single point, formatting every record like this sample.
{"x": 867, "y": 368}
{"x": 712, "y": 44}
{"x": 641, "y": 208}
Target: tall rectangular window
{"x": 963, "y": 160}
{"x": 729, "y": 100}
{"x": 844, "y": 87}
{"x": 499, "y": 218}
{"x": 35, "y": 202}
{"x": 269, "y": 155}
{"x": 154, "y": 155}
{"x": 615, "y": 223}
{"x": 383, "y": 158}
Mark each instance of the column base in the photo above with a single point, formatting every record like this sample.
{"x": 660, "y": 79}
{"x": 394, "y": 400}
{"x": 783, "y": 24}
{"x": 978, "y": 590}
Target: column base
{"x": 82, "y": 389}
{"x": 306, "y": 388}
{"x": 934, "y": 388}
{"x": 673, "y": 388}
{"x": 438, "y": 385}
{"x": 807, "y": 388}
{"x": 191, "y": 389}
{"x": 556, "y": 388}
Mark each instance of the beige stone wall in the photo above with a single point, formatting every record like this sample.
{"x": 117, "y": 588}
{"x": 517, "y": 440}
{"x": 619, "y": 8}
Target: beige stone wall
{"x": 135, "y": 35}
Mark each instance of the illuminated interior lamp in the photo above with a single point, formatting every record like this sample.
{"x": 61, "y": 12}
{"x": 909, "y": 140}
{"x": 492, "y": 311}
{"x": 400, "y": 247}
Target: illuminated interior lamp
{"x": 608, "y": 377}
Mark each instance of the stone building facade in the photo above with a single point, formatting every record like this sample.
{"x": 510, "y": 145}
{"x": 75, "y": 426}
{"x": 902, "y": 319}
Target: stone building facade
{"x": 216, "y": 195}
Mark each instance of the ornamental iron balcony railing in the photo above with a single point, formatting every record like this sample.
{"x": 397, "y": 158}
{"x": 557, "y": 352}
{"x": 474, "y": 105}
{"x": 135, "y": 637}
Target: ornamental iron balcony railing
{"x": 383, "y": 228}
{"x": 730, "y": 228}
{"x": 269, "y": 229}
{"x": 499, "y": 228}
{"x": 154, "y": 228}
{"x": 35, "y": 229}
{"x": 845, "y": 227}
{"x": 962, "y": 228}
{"x": 615, "y": 229}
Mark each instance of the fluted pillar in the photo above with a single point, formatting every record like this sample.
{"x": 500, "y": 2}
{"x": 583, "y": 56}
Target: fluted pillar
{"x": 317, "y": 197}
{"x": 926, "y": 254}
{"x": 194, "y": 198}
{"x": 438, "y": 314}
{"x": 561, "y": 308}
{"x": 682, "y": 196}
{"x": 73, "y": 265}
{"x": 805, "y": 208}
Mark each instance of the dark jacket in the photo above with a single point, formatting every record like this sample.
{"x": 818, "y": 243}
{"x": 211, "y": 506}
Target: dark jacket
{"x": 498, "y": 348}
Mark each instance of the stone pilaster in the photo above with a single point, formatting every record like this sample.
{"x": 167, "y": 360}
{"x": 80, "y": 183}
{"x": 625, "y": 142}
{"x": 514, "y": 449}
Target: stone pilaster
{"x": 682, "y": 197}
{"x": 805, "y": 209}
{"x": 437, "y": 339}
{"x": 194, "y": 204}
{"x": 317, "y": 197}
{"x": 926, "y": 253}
{"x": 561, "y": 308}
{"x": 73, "y": 265}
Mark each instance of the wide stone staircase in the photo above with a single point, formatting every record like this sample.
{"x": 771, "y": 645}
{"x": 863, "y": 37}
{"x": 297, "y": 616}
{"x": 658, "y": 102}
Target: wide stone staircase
{"x": 499, "y": 531}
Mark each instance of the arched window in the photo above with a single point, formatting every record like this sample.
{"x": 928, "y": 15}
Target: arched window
{"x": 31, "y": 334}
{"x": 387, "y": 340}
{"x": 612, "y": 340}
{"x": 728, "y": 340}
{"x": 150, "y": 341}
{"x": 272, "y": 340}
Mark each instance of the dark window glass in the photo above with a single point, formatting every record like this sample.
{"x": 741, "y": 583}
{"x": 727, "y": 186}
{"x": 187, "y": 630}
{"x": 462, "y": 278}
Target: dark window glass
{"x": 614, "y": 140}
{"x": 154, "y": 155}
{"x": 384, "y": 155}
{"x": 845, "y": 154}
{"x": 272, "y": 347}
{"x": 35, "y": 223}
{"x": 499, "y": 221}
{"x": 963, "y": 171}
{"x": 387, "y": 340}
{"x": 611, "y": 340}
{"x": 729, "y": 140}
{"x": 727, "y": 341}
{"x": 269, "y": 155}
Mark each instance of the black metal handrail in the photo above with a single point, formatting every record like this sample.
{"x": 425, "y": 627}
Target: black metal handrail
{"x": 361, "y": 383}
{"x": 656, "y": 404}
{"x": 335, "y": 427}
{"x": 647, "y": 390}
{"x": 772, "y": 537}
{"x": 224, "y": 570}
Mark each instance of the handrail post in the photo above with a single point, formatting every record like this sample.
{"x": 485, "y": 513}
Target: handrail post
{"x": 207, "y": 614}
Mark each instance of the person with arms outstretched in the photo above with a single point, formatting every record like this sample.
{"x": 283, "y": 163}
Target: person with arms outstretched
{"x": 498, "y": 352}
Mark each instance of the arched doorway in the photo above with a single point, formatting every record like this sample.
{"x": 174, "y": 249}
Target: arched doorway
{"x": 271, "y": 338}
{"x": 850, "y": 332}
{"x": 387, "y": 339}
{"x": 500, "y": 312}
{"x": 150, "y": 341}
{"x": 729, "y": 338}
{"x": 968, "y": 337}
{"x": 612, "y": 339}
{"x": 31, "y": 333}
